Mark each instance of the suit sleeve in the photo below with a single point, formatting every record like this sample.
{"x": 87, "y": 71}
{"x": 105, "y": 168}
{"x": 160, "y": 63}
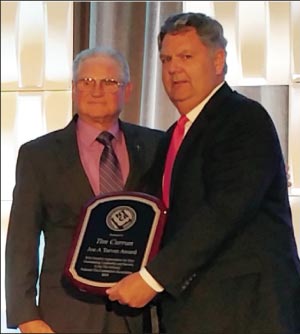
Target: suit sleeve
{"x": 239, "y": 163}
{"x": 22, "y": 244}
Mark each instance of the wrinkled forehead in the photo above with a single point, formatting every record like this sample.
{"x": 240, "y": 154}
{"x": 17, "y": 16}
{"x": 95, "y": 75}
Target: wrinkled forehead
{"x": 100, "y": 60}
{"x": 99, "y": 63}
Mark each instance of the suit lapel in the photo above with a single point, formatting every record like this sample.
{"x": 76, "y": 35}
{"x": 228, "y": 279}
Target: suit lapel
{"x": 197, "y": 131}
{"x": 71, "y": 170}
{"x": 136, "y": 152}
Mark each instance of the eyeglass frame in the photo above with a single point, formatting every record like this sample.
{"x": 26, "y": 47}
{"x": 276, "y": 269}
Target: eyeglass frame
{"x": 102, "y": 81}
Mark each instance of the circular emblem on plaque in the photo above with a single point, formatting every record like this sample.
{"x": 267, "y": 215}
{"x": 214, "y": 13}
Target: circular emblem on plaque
{"x": 121, "y": 218}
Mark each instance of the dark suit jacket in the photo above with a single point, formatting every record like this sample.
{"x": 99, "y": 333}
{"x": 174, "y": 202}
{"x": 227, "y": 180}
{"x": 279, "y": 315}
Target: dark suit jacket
{"x": 229, "y": 262}
{"x": 51, "y": 188}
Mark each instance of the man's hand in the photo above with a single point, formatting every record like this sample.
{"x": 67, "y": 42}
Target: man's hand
{"x": 288, "y": 175}
{"x": 35, "y": 326}
{"x": 132, "y": 290}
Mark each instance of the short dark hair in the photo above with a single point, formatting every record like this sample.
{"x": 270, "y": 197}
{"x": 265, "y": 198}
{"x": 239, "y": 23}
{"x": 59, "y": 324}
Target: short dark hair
{"x": 209, "y": 30}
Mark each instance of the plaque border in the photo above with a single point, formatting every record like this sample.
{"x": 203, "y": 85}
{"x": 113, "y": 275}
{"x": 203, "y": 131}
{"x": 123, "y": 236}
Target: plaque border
{"x": 151, "y": 249}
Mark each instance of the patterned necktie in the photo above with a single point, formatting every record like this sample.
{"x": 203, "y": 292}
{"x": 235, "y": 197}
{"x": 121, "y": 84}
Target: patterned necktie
{"x": 175, "y": 142}
{"x": 109, "y": 167}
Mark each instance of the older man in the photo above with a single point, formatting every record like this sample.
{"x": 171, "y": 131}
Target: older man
{"x": 55, "y": 176}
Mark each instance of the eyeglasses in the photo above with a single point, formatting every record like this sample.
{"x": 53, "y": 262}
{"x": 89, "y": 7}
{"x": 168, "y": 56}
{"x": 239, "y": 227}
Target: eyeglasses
{"x": 108, "y": 85}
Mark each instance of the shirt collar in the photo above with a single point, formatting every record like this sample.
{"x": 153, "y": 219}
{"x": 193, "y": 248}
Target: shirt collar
{"x": 88, "y": 133}
{"x": 192, "y": 115}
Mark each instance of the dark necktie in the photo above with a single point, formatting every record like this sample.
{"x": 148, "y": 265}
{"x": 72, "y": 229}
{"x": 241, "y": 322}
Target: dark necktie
{"x": 110, "y": 172}
{"x": 176, "y": 140}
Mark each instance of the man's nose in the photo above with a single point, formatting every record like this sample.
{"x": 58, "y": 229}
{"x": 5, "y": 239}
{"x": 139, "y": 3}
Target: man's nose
{"x": 98, "y": 89}
{"x": 173, "y": 66}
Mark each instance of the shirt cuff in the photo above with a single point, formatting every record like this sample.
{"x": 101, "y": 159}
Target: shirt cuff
{"x": 150, "y": 280}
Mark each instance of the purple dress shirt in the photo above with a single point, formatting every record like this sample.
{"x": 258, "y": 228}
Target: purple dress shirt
{"x": 90, "y": 151}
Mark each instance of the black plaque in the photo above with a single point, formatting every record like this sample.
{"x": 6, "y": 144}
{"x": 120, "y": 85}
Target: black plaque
{"x": 116, "y": 236}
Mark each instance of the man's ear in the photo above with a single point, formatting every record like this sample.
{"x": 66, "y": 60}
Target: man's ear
{"x": 73, "y": 87}
{"x": 128, "y": 91}
{"x": 219, "y": 61}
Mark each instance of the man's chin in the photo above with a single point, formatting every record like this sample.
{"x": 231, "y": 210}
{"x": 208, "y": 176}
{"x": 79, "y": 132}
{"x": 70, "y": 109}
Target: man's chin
{"x": 179, "y": 98}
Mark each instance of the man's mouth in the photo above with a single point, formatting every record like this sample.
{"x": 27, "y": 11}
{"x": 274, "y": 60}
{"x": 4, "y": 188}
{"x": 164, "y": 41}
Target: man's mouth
{"x": 178, "y": 82}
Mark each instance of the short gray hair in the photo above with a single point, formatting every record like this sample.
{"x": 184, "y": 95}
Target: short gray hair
{"x": 209, "y": 30}
{"x": 102, "y": 51}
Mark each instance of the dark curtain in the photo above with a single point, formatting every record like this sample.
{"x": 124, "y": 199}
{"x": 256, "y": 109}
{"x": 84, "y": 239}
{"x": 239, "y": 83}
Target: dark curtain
{"x": 81, "y": 26}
